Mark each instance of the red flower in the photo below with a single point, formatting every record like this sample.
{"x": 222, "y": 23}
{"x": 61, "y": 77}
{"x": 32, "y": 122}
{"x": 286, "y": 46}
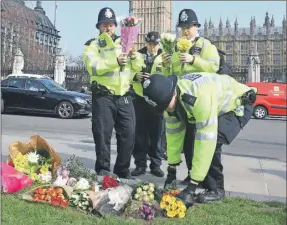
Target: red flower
{"x": 109, "y": 182}
{"x": 11, "y": 163}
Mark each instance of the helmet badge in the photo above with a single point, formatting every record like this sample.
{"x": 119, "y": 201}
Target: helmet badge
{"x": 146, "y": 83}
{"x": 108, "y": 13}
{"x": 183, "y": 16}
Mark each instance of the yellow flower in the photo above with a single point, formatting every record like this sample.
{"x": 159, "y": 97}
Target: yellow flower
{"x": 183, "y": 44}
{"x": 162, "y": 205}
{"x": 45, "y": 169}
{"x": 181, "y": 206}
{"x": 181, "y": 215}
{"x": 170, "y": 213}
{"x": 34, "y": 176}
{"x": 173, "y": 199}
{"x": 166, "y": 198}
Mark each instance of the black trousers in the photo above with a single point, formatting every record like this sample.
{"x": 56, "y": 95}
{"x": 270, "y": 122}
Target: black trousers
{"x": 110, "y": 112}
{"x": 148, "y": 138}
{"x": 229, "y": 126}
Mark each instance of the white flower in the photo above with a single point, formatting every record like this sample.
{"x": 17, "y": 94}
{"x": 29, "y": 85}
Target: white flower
{"x": 33, "y": 157}
{"x": 60, "y": 181}
{"x": 82, "y": 184}
{"x": 45, "y": 178}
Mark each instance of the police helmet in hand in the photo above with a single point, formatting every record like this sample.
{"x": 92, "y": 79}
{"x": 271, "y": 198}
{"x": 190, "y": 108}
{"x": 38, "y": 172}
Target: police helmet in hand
{"x": 187, "y": 17}
{"x": 153, "y": 37}
{"x": 158, "y": 91}
{"x": 106, "y": 15}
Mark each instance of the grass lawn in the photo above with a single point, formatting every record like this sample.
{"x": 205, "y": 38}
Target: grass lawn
{"x": 230, "y": 211}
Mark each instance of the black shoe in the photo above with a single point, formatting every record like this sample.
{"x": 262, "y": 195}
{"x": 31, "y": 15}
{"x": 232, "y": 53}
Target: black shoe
{"x": 138, "y": 171}
{"x": 170, "y": 181}
{"x": 186, "y": 181}
{"x": 210, "y": 196}
{"x": 187, "y": 195}
{"x": 157, "y": 172}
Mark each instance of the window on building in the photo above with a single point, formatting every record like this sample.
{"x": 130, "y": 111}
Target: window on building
{"x": 51, "y": 39}
{"x": 37, "y": 35}
{"x": 260, "y": 46}
{"x": 276, "y": 59}
{"x": 244, "y": 59}
{"x": 229, "y": 45}
{"x": 229, "y": 59}
{"x": 46, "y": 38}
{"x": 276, "y": 45}
{"x": 261, "y": 57}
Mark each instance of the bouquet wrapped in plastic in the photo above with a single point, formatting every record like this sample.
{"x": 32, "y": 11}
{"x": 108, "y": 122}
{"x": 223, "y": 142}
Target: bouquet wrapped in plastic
{"x": 37, "y": 159}
{"x": 129, "y": 33}
{"x": 172, "y": 206}
{"x": 50, "y": 194}
{"x": 12, "y": 180}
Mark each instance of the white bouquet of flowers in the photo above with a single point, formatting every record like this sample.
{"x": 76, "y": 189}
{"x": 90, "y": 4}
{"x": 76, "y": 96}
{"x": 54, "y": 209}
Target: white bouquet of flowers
{"x": 168, "y": 42}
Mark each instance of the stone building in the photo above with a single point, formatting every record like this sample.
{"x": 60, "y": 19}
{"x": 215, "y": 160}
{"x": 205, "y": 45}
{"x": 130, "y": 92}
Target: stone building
{"x": 268, "y": 41}
{"x": 31, "y": 31}
{"x": 156, "y": 16}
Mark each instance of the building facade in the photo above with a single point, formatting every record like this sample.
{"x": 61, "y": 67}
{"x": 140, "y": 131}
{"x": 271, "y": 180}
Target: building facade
{"x": 268, "y": 41}
{"x": 31, "y": 31}
{"x": 156, "y": 16}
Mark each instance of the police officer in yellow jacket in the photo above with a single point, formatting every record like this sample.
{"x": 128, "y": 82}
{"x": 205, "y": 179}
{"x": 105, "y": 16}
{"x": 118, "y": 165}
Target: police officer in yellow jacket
{"x": 149, "y": 124}
{"x": 202, "y": 57}
{"x": 112, "y": 105}
{"x": 219, "y": 106}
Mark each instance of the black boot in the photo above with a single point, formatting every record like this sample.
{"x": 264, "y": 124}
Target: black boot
{"x": 138, "y": 171}
{"x": 187, "y": 195}
{"x": 170, "y": 178}
{"x": 157, "y": 172}
{"x": 210, "y": 196}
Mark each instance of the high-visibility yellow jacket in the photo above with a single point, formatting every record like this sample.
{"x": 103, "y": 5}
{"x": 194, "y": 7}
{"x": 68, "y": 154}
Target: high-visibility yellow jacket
{"x": 100, "y": 59}
{"x": 156, "y": 68}
{"x": 212, "y": 95}
{"x": 206, "y": 60}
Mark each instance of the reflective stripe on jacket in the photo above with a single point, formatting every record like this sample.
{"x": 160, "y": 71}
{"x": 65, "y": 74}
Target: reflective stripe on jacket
{"x": 207, "y": 61}
{"x": 100, "y": 59}
{"x": 213, "y": 95}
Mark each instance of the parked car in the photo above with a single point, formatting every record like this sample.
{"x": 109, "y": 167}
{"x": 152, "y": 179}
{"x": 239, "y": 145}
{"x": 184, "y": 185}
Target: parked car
{"x": 271, "y": 99}
{"x": 41, "y": 94}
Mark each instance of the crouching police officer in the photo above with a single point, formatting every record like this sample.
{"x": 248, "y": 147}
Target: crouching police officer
{"x": 219, "y": 106}
{"x": 201, "y": 57}
{"x": 149, "y": 124}
{"x": 111, "y": 75}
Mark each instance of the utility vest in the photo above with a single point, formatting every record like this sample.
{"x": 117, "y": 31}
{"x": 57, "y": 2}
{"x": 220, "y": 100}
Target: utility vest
{"x": 100, "y": 58}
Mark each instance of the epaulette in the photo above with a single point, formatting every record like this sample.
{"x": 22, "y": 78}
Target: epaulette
{"x": 89, "y": 41}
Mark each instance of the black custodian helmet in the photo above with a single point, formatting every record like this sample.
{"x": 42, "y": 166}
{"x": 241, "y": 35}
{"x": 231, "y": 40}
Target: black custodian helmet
{"x": 106, "y": 15}
{"x": 187, "y": 17}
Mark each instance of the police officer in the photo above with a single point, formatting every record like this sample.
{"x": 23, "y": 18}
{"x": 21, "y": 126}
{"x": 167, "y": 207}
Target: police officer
{"x": 149, "y": 124}
{"x": 112, "y": 105}
{"x": 219, "y": 106}
{"x": 202, "y": 57}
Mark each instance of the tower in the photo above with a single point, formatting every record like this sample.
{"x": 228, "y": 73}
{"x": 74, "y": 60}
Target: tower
{"x": 155, "y": 15}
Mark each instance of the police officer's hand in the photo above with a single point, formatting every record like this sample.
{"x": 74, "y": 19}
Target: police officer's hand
{"x": 186, "y": 58}
{"x": 122, "y": 59}
{"x": 166, "y": 58}
{"x": 141, "y": 76}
